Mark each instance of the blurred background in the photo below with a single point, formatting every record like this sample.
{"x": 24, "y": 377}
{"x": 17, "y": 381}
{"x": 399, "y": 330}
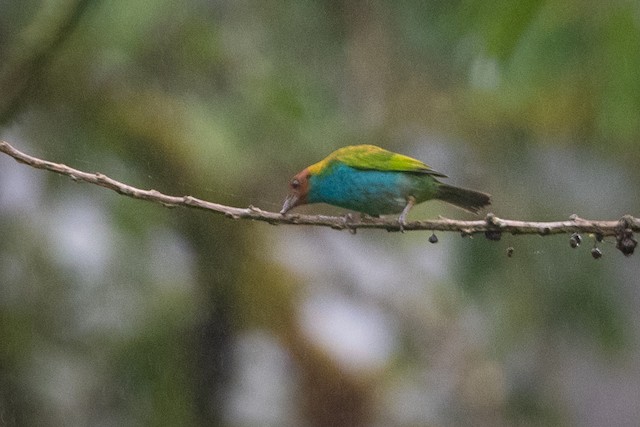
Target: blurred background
{"x": 118, "y": 312}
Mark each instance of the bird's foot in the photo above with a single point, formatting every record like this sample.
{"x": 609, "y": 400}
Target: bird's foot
{"x": 348, "y": 220}
{"x": 402, "y": 219}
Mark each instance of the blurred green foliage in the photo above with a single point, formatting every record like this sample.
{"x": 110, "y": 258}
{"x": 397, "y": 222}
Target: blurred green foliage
{"x": 117, "y": 312}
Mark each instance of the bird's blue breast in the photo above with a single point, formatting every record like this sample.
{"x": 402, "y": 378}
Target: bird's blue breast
{"x": 369, "y": 191}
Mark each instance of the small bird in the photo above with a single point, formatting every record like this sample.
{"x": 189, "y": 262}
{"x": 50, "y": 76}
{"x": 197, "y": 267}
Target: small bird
{"x": 374, "y": 181}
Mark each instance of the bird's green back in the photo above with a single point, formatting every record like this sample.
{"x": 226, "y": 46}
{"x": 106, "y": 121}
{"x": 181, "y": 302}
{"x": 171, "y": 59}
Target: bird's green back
{"x": 370, "y": 157}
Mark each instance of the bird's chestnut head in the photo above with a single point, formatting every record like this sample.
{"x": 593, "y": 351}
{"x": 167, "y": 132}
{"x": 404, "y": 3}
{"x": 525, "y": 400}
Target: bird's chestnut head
{"x": 298, "y": 189}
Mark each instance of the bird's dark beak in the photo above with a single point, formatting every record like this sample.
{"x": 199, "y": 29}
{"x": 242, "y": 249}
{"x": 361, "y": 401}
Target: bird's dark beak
{"x": 290, "y": 202}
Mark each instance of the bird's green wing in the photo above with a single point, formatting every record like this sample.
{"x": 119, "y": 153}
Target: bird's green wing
{"x": 376, "y": 158}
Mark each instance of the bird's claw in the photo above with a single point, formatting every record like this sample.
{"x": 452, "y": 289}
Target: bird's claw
{"x": 402, "y": 219}
{"x": 348, "y": 221}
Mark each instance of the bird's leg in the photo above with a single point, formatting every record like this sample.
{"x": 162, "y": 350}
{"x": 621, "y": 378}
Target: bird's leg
{"x": 402, "y": 219}
{"x": 348, "y": 219}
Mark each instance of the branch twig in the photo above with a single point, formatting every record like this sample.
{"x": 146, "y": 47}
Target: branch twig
{"x": 491, "y": 226}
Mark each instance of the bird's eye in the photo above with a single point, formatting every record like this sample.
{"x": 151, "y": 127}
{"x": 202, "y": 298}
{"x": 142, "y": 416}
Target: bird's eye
{"x": 295, "y": 184}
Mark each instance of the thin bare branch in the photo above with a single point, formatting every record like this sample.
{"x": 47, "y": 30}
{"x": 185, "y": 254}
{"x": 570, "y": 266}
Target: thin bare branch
{"x": 492, "y": 226}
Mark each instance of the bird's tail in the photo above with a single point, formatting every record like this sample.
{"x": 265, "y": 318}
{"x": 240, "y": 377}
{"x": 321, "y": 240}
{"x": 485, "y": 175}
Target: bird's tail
{"x": 468, "y": 200}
